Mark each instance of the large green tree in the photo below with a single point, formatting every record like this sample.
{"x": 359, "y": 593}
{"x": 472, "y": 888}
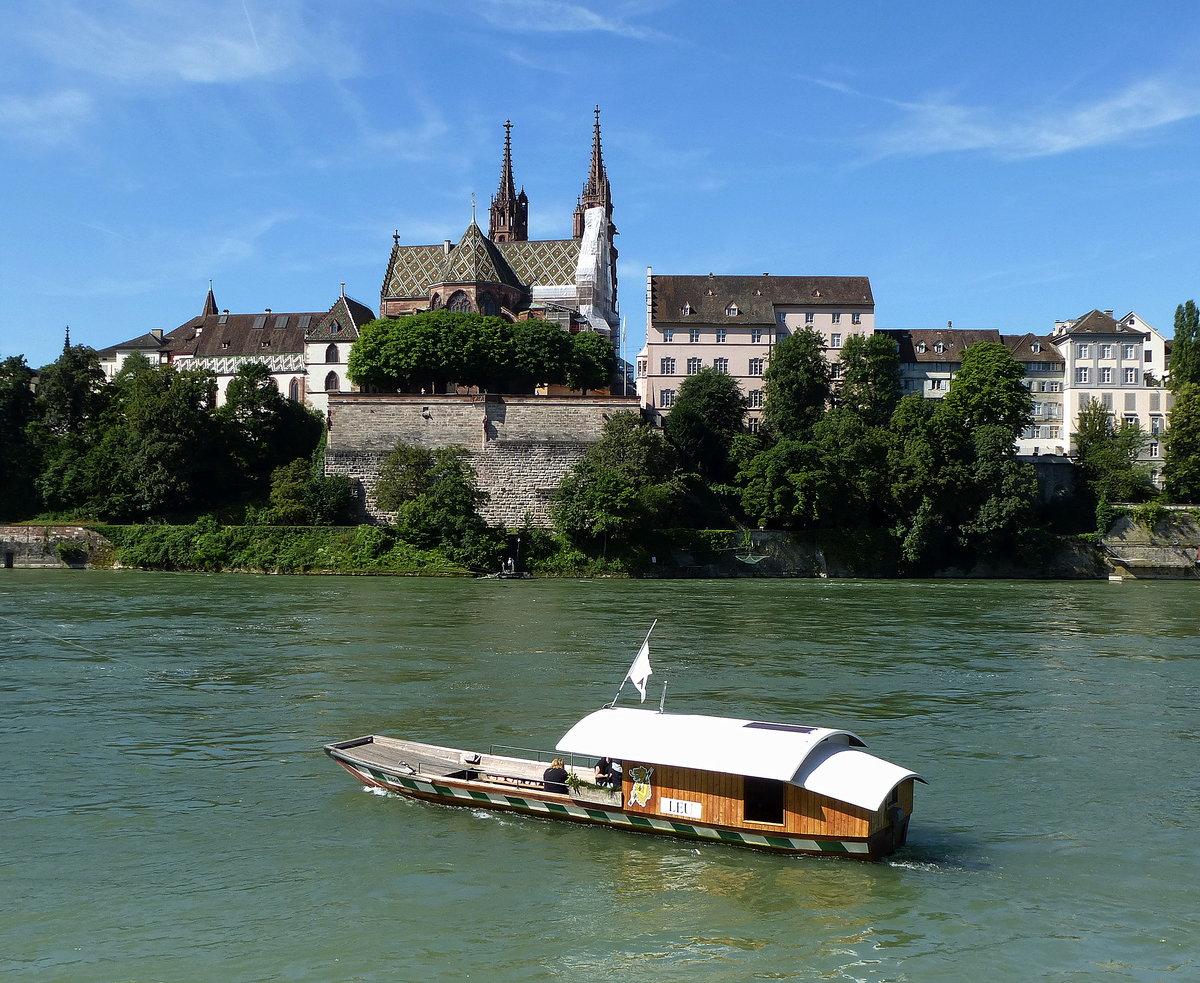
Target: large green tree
{"x": 796, "y": 384}
{"x": 1185, "y": 347}
{"x": 70, "y": 390}
{"x": 626, "y": 485}
{"x": 1181, "y": 474}
{"x": 708, "y": 414}
{"x": 870, "y": 376}
{"x": 592, "y": 363}
{"x": 19, "y": 453}
{"x": 1108, "y": 455}
{"x": 989, "y": 389}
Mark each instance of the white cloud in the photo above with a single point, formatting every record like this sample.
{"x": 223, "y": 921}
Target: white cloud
{"x": 938, "y": 125}
{"x": 45, "y": 119}
{"x": 218, "y": 41}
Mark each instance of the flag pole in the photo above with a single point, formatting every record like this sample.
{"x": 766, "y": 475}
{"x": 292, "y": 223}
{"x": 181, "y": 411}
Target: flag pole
{"x": 626, "y": 679}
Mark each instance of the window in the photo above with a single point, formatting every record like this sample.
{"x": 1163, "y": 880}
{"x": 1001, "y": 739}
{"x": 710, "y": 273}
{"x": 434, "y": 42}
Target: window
{"x": 1131, "y": 377}
{"x": 756, "y": 336}
{"x": 731, "y": 310}
{"x": 1156, "y": 424}
{"x": 1036, "y": 347}
{"x": 938, "y": 347}
{"x": 331, "y": 382}
{"x": 721, "y": 335}
{"x": 937, "y": 384}
{"x": 1106, "y": 375}
{"x": 294, "y": 390}
{"x": 762, "y": 800}
{"x": 694, "y": 336}
{"x": 753, "y": 424}
{"x": 641, "y": 368}
{"x": 809, "y": 317}
{"x": 1055, "y": 387}
{"x": 1106, "y": 399}
{"x": 1152, "y": 448}
{"x": 265, "y": 343}
{"x": 721, "y": 365}
{"x": 224, "y": 344}
{"x": 920, "y": 348}
{"x": 1106, "y": 351}
{"x": 1130, "y": 420}
{"x": 781, "y": 335}
{"x": 1128, "y": 351}
{"x": 666, "y": 366}
{"x": 459, "y": 302}
{"x": 836, "y": 317}
{"x": 856, "y": 319}
{"x": 687, "y": 308}
{"x": 756, "y": 366}
{"x": 666, "y": 398}
{"x": 780, "y": 317}
{"x": 1081, "y": 375}
{"x": 755, "y": 399}
{"x": 1084, "y": 351}
{"x": 1149, "y": 355}
{"x": 835, "y": 340}
{"x": 1039, "y": 409}
{"x": 331, "y": 354}
{"x": 694, "y": 365}
{"x": 1055, "y": 433}
{"x": 668, "y": 334}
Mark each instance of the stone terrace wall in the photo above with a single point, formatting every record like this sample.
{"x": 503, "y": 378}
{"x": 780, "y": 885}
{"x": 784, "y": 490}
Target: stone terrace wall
{"x": 26, "y": 547}
{"x": 521, "y": 447}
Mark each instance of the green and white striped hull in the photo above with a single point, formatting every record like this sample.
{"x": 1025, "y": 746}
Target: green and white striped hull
{"x": 467, "y": 795}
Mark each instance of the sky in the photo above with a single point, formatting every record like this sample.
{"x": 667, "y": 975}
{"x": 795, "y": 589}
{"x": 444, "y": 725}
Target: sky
{"x": 994, "y": 165}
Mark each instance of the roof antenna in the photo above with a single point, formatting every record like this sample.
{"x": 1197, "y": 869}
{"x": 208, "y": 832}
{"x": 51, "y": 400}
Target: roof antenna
{"x": 472, "y": 207}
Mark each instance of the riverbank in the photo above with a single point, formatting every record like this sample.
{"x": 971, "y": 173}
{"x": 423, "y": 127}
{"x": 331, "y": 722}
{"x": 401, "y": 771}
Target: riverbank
{"x": 1163, "y": 549}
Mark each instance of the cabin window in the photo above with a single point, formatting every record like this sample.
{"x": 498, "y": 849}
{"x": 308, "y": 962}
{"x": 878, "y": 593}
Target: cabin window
{"x": 763, "y": 800}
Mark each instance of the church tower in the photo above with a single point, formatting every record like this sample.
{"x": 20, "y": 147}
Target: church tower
{"x": 509, "y": 220}
{"x": 597, "y": 194}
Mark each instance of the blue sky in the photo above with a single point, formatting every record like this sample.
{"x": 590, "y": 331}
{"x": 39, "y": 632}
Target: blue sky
{"x": 998, "y": 165}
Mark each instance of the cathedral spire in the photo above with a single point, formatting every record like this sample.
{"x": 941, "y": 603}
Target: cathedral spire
{"x": 596, "y": 192}
{"x": 509, "y": 219}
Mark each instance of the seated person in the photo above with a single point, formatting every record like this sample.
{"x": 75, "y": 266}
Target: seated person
{"x": 554, "y": 779}
{"x": 608, "y": 773}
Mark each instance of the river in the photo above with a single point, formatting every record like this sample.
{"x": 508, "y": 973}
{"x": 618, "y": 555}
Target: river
{"x": 168, "y": 813}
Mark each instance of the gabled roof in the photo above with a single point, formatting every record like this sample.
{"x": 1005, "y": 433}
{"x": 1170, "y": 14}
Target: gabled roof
{"x": 921, "y": 344}
{"x": 476, "y": 259}
{"x": 780, "y": 751}
{"x": 148, "y": 342}
{"x": 1022, "y": 347}
{"x": 756, "y": 297}
{"x": 341, "y": 322}
{"x": 1097, "y": 322}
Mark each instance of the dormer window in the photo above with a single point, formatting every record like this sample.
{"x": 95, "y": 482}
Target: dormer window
{"x": 1035, "y": 347}
{"x": 224, "y": 344}
{"x": 687, "y": 308}
{"x": 939, "y": 347}
{"x": 731, "y": 310}
{"x": 335, "y": 328}
{"x": 921, "y": 347}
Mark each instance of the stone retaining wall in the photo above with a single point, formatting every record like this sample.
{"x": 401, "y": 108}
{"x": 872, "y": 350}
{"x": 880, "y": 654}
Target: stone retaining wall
{"x": 521, "y": 447}
{"x": 1168, "y": 550}
{"x": 38, "y": 547}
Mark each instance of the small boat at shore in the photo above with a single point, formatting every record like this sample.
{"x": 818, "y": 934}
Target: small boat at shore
{"x": 782, "y": 787}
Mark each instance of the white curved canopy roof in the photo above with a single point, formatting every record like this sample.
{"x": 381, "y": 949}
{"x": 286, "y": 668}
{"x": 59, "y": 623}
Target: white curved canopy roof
{"x": 817, "y": 758}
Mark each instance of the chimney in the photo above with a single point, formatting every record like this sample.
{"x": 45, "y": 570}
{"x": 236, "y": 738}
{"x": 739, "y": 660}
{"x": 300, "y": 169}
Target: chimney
{"x": 446, "y": 247}
{"x": 157, "y": 333}
{"x": 950, "y": 325}
{"x": 266, "y": 310}
{"x": 1109, "y": 313}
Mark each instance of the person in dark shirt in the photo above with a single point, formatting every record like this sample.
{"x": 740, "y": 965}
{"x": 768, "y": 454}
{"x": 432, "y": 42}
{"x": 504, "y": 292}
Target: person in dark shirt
{"x": 608, "y": 773}
{"x": 555, "y": 777}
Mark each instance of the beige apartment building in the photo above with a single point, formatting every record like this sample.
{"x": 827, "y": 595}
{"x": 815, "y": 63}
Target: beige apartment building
{"x": 731, "y": 323}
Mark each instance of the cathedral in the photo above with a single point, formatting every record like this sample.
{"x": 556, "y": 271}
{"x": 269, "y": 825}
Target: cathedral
{"x": 571, "y": 282}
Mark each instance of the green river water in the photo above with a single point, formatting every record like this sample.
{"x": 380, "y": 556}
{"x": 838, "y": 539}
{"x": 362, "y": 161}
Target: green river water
{"x": 167, "y": 812}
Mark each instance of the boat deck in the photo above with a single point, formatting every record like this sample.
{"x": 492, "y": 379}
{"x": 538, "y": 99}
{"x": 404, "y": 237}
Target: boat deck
{"x": 401, "y": 757}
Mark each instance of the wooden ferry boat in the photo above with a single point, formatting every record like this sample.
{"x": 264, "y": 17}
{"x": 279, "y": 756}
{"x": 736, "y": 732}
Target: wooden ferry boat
{"x": 775, "y": 786}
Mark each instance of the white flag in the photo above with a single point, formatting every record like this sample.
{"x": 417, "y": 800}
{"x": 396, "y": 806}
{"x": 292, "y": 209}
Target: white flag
{"x": 640, "y": 671}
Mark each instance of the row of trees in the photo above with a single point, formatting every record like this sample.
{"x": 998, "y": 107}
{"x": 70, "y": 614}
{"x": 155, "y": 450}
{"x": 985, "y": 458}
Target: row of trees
{"x": 435, "y": 349}
{"x": 152, "y": 444}
{"x": 940, "y": 476}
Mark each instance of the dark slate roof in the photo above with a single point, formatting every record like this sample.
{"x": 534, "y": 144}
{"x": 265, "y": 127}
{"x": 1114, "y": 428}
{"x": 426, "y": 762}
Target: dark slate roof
{"x": 147, "y": 342}
{"x": 1097, "y": 322}
{"x": 756, "y": 297}
{"x": 341, "y": 322}
{"x": 1021, "y": 346}
{"x": 953, "y": 341}
{"x": 213, "y": 335}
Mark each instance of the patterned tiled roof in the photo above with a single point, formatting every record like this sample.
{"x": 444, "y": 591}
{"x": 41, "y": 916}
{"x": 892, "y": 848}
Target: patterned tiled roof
{"x": 341, "y": 322}
{"x": 411, "y": 269}
{"x": 476, "y": 259}
{"x": 708, "y": 297}
{"x": 542, "y": 262}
